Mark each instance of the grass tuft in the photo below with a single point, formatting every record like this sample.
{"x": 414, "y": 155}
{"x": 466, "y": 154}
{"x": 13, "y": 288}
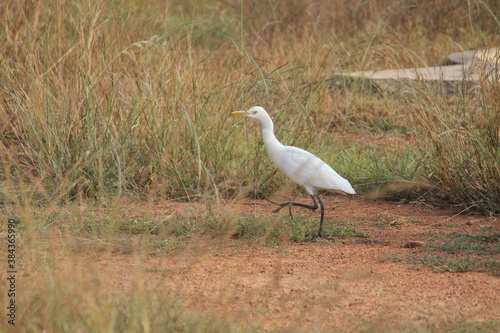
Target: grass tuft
{"x": 458, "y": 252}
{"x": 459, "y": 139}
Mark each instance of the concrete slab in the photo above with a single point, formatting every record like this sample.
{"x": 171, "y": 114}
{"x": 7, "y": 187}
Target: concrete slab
{"x": 470, "y": 67}
{"x": 481, "y": 55}
{"x": 444, "y": 73}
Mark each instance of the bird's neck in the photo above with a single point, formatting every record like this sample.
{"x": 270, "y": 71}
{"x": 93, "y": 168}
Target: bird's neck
{"x": 269, "y": 138}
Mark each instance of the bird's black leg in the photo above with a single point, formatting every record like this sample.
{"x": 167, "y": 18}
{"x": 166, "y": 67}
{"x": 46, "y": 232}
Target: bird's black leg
{"x": 312, "y": 207}
{"x": 320, "y": 233}
{"x": 290, "y": 204}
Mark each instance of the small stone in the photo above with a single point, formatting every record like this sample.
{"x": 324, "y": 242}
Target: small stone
{"x": 413, "y": 244}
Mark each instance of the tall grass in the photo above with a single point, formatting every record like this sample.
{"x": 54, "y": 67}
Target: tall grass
{"x": 109, "y": 99}
{"x": 460, "y": 143}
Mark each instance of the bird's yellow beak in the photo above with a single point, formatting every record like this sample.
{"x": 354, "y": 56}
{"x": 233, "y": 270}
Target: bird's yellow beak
{"x": 239, "y": 112}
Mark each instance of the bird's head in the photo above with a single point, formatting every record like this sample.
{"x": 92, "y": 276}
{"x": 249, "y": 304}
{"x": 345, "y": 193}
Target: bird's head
{"x": 256, "y": 112}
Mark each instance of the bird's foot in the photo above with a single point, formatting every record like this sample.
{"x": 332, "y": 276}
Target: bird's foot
{"x": 277, "y": 210}
{"x": 277, "y": 204}
{"x": 281, "y": 206}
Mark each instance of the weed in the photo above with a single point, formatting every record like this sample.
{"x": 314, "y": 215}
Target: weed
{"x": 456, "y": 252}
{"x": 465, "y": 243}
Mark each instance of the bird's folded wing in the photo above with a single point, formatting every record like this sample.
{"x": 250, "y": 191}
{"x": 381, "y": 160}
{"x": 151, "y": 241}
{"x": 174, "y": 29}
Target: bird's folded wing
{"x": 309, "y": 171}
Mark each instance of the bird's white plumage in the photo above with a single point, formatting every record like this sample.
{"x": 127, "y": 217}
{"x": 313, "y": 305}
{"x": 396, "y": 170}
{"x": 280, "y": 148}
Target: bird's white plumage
{"x": 302, "y": 167}
{"x": 311, "y": 172}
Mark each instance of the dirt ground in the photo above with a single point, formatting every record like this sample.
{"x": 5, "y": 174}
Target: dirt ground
{"x": 346, "y": 285}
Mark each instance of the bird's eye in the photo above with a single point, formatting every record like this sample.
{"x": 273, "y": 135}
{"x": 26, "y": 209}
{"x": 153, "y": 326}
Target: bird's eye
{"x": 254, "y": 112}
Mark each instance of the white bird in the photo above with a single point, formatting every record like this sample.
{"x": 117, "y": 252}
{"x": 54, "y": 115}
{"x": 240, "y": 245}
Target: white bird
{"x": 299, "y": 165}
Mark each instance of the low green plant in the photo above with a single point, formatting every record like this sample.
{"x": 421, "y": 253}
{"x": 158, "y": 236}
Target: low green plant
{"x": 465, "y": 243}
{"x": 460, "y": 252}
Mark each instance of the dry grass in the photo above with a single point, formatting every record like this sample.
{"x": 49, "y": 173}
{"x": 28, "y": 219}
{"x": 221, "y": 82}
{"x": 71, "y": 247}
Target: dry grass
{"x": 101, "y": 100}
{"x": 459, "y": 139}
{"x": 110, "y": 99}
